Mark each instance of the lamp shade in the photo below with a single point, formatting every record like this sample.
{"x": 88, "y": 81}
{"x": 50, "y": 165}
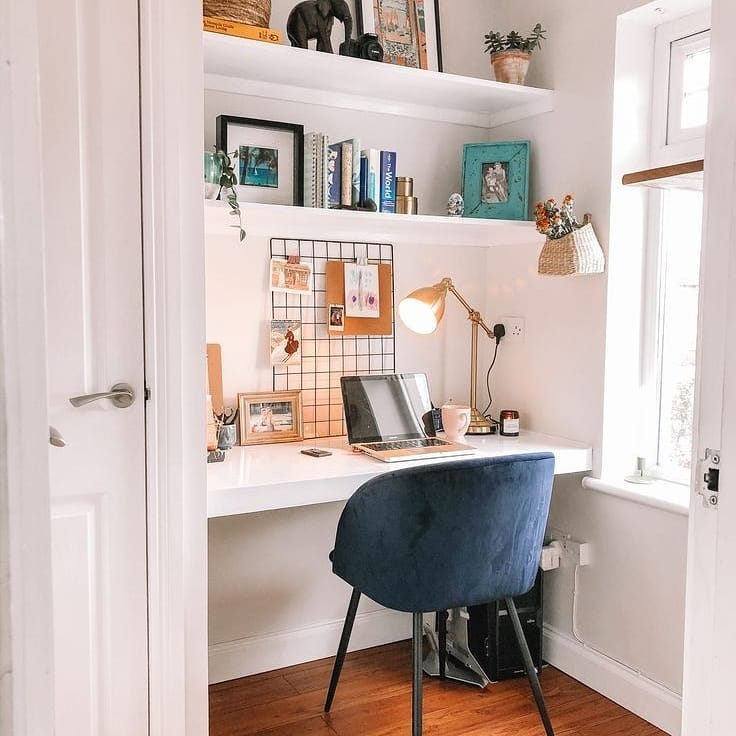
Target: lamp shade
{"x": 422, "y": 310}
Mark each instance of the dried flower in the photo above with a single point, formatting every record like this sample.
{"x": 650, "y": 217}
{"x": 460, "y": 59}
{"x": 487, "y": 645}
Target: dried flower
{"x": 556, "y": 221}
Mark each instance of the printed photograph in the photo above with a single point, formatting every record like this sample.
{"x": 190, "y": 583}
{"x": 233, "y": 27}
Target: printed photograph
{"x": 495, "y": 184}
{"x": 273, "y": 416}
{"x": 259, "y": 167}
{"x": 288, "y": 277}
{"x": 285, "y": 342}
{"x": 337, "y": 318}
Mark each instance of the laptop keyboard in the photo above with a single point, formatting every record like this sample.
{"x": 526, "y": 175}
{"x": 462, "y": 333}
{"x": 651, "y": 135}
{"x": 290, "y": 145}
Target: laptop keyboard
{"x": 403, "y": 444}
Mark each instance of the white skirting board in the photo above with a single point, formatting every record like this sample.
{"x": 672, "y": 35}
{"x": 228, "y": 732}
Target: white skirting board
{"x": 636, "y": 693}
{"x": 244, "y": 657}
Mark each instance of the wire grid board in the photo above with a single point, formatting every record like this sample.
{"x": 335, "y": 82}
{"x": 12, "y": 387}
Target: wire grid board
{"x": 327, "y": 356}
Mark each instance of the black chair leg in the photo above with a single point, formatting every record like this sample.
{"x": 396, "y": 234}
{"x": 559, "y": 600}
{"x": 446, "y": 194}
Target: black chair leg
{"x": 342, "y": 647}
{"x": 531, "y": 672}
{"x": 442, "y": 641}
{"x": 416, "y": 670}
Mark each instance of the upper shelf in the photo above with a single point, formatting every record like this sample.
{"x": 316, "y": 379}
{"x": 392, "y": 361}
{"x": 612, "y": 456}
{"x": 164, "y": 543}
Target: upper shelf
{"x": 281, "y": 72}
{"x": 300, "y": 222}
{"x": 688, "y": 175}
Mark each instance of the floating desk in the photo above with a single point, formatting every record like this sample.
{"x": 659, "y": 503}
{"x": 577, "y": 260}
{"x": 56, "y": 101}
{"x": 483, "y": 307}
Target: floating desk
{"x": 267, "y": 477}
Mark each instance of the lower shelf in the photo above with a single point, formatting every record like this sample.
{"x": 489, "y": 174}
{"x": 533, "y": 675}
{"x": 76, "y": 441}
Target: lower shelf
{"x": 295, "y": 222}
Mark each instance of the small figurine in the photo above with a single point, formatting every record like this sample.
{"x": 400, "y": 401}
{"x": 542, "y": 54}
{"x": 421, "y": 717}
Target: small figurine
{"x": 314, "y": 19}
{"x": 455, "y": 205}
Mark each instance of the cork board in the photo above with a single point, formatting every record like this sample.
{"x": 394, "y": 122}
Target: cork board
{"x": 335, "y": 286}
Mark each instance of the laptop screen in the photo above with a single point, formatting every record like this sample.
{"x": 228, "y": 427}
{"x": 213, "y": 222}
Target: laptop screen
{"x": 380, "y": 408}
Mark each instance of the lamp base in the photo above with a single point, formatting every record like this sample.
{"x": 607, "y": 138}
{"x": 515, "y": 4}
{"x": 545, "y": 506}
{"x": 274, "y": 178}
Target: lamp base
{"x": 479, "y": 424}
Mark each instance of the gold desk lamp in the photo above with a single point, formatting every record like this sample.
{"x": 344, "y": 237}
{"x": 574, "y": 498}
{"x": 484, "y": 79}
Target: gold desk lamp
{"x": 422, "y": 311}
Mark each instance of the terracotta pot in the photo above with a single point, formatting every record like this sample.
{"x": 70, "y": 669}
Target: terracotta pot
{"x": 250, "y": 12}
{"x": 510, "y": 66}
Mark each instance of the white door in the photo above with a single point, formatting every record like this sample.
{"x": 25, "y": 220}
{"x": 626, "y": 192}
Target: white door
{"x": 710, "y": 645}
{"x": 89, "y": 71}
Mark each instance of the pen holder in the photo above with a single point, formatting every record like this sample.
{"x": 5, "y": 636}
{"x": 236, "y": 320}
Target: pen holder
{"x": 227, "y": 436}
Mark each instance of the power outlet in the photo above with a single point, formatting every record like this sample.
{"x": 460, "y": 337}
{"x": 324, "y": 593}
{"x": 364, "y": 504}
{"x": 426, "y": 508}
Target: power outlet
{"x": 515, "y": 328}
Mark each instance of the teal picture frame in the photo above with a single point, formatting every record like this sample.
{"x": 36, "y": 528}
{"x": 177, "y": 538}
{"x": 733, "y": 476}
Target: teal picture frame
{"x": 496, "y": 180}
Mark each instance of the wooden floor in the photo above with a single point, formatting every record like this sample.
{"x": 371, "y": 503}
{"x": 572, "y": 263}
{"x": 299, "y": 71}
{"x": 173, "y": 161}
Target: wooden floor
{"x": 374, "y": 699}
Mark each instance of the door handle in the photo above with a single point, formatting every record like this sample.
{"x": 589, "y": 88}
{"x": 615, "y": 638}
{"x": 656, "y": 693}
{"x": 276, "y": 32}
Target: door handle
{"x": 121, "y": 395}
{"x": 55, "y": 437}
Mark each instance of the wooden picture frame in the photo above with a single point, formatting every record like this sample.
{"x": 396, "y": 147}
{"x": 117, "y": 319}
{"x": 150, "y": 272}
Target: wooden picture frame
{"x": 270, "y": 416}
{"x": 415, "y": 43}
{"x": 267, "y": 156}
{"x": 496, "y": 180}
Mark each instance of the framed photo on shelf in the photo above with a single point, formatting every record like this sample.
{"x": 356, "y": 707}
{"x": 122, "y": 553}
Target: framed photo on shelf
{"x": 272, "y": 416}
{"x": 408, "y": 30}
{"x": 496, "y": 180}
{"x": 268, "y": 158}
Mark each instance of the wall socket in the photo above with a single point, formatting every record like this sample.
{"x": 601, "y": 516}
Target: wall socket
{"x": 515, "y": 328}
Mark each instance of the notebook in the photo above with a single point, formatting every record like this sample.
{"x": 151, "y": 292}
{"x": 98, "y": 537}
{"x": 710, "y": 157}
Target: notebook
{"x": 388, "y": 417}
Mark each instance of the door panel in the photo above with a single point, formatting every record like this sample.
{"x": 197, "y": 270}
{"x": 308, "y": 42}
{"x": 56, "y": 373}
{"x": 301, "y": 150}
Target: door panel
{"x": 91, "y": 199}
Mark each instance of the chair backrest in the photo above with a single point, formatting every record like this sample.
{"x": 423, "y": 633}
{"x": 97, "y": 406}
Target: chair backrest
{"x": 446, "y": 535}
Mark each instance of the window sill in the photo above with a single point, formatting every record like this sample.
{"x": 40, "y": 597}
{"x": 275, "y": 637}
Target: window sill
{"x": 661, "y": 494}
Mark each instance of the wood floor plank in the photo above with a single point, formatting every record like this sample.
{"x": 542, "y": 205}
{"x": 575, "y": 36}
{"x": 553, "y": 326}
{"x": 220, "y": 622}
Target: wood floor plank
{"x": 373, "y": 698}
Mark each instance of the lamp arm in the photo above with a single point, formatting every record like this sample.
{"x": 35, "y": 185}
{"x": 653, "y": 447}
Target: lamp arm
{"x": 474, "y": 314}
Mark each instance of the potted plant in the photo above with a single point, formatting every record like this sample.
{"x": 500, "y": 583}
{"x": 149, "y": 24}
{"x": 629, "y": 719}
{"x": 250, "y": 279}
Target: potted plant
{"x": 510, "y": 53}
{"x": 219, "y": 175}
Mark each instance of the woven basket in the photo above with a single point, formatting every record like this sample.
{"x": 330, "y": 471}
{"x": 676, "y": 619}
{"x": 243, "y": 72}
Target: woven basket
{"x": 250, "y": 12}
{"x": 576, "y": 252}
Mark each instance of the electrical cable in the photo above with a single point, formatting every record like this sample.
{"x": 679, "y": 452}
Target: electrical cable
{"x": 488, "y": 384}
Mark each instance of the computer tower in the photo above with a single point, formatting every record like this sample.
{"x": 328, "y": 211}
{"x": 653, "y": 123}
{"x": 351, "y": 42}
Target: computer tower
{"x": 491, "y": 637}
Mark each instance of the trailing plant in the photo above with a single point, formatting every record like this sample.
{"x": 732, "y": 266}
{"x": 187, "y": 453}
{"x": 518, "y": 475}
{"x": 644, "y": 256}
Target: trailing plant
{"x": 228, "y": 180}
{"x": 514, "y": 41}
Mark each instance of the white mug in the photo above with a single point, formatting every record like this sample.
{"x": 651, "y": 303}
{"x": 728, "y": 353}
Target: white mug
{"x": 455, "y": 421}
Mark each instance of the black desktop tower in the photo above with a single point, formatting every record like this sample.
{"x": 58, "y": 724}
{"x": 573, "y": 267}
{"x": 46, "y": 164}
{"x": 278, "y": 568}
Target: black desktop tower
{"x": 491, "y": 636}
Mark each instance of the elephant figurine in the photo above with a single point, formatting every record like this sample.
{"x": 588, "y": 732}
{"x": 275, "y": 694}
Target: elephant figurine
{"x": 314, "y": 19}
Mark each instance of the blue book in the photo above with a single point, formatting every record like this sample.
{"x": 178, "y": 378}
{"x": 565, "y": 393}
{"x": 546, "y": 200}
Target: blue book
{"x": 363, "y": 178}
{"x": 388, "y": 181}
{"x": 334, "y": 170}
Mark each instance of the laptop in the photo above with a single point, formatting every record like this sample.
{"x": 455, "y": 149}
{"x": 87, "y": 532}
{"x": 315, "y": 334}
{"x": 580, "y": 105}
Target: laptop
{"x": 389, "y": 417}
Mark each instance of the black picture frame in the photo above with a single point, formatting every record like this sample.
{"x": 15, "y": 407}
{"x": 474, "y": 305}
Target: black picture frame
{"x": 366, "y": 23}
{"x": 233, "y": 133}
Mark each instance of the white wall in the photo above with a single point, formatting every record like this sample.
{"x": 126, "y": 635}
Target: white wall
{"x": 631, "y": 600}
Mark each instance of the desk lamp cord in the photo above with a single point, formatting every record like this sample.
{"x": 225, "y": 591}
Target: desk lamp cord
{"x": 498, "y": 331}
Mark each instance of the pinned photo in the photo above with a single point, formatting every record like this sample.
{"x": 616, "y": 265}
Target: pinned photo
{"x": 285, "y": 342}
{"x": 336, "y": 321}
{"x": 292, "y": 278}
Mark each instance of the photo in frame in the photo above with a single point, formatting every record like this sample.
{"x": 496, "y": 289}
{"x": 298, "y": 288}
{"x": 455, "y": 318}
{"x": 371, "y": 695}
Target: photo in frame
{"x": 408, "y": 30}
{"x": 267, "y": 156}
{"x": 272, "y": 416}
{"x": 496, "y": 180}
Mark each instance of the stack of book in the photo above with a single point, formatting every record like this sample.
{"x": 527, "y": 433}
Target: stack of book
{"x": 342, "y": 175}
{"x": 231, "y": 28}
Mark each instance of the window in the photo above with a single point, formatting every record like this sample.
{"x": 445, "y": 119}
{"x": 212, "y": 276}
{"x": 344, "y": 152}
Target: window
{"x": 672, "y": 270}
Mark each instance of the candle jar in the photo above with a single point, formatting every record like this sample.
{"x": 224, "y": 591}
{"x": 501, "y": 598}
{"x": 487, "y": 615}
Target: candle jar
{"x": 509, "y": 421}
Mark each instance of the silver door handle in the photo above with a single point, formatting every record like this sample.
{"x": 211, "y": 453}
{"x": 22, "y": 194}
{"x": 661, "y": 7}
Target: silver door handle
{"x": 121, "y": 395}
{"x": 55, "y": 437}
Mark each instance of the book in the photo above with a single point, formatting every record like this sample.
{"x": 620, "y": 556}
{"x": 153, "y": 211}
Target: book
{"x": 388, "y": 181}
{"x": 310, "y": 169}
{"x": 231, "y": 28}
{"x": 324, "y": 150}
{"x": 363, "y": 178}
{"x": 373, "y": 188}
{"x": 334, "y": 174}
{"x": 346, "y": 174}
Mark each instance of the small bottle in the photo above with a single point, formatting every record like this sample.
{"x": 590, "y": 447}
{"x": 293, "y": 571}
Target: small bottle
{"x": 509, "y": 421}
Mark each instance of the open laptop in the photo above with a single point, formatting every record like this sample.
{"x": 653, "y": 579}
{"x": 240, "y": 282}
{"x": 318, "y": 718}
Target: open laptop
{"x": 388, "y": 418}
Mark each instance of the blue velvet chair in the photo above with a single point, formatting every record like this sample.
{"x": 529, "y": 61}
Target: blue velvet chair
{"x": 445, "y": 535}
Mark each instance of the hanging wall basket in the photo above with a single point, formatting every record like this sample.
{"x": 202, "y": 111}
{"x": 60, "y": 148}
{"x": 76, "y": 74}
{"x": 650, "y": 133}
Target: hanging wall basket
{"x": 576, "y": 252}
{"x": 250, "y": 12}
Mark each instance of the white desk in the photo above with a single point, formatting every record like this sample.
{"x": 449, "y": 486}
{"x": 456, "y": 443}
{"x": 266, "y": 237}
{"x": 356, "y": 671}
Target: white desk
{"x": 267, "y": 477}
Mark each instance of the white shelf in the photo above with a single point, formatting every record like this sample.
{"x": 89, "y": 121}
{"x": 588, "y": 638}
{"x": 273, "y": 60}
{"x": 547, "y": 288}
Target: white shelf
{"x": 307, "y": 222}
{"x": 281, "y": 72}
